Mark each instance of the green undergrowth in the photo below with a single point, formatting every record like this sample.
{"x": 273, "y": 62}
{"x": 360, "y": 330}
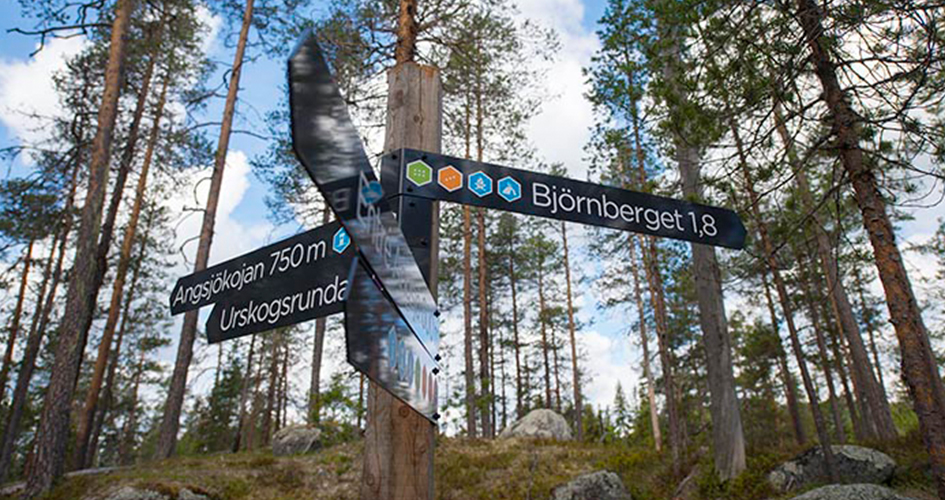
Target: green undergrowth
{"x": 473, "y": 469}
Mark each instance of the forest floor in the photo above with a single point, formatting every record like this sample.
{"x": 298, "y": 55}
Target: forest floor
{"x": 465, "y": 469}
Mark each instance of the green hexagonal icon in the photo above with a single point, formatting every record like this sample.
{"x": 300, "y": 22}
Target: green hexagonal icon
{"x": 419, "y": 173}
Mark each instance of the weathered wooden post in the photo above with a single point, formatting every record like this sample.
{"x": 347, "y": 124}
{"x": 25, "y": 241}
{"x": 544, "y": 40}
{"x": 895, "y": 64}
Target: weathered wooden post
{"x": 399, "y": 442}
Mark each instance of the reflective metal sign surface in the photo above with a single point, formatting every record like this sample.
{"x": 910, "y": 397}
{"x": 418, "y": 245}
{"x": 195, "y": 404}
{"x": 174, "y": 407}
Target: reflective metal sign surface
{"x": 380, "y": 345}
{"x": 327, "y": 143}
{"x": 266, "y": 266}
{"x": 439, "y": 177}
{"x": 296, "y": 296}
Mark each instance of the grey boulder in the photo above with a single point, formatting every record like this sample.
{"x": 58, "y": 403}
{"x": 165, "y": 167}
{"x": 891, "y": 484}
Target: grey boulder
{"x": 852, "y": 492}
{"x": 295, "y": 440}
{"x": 852, "y": 464}
{"x": 540, "y": 423}
{"x": 601, "y": 485}
{"x": 130, "y": 493}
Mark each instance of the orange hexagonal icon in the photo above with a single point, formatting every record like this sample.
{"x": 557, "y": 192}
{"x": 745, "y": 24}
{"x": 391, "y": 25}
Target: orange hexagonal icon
{"x": 450, "y": 178}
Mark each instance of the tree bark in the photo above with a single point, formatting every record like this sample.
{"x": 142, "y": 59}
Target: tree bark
{"x": 129, "y": 430}
{"x": 82, "y": 456}
{"x": 544, "y": 332}
{"x": 869, "y": 321}
{"x": 519, "y": 394}
{"x": 485, "y": 380}
{"x": 170, "y": 421}
{"x": 244, "y": 396}
{"x": 787, "y": 378}
{"x": 919, "y": 367}
{"x": 657, "y": 298}
{"x": 129, "y": 297}
{"x": 49, "y": 460}
{"x": 873, "y": 403}
{"x": 319, "y": 345}
{"x": 645, "y": 343}
{"x": 15, "y": 321}
{"x": 37, "y": 332}
{"x": 816, "y": 325}
{"x": 578, "y": 404}
{"x": 727, "y": 434}
{"x": 470, "y": 372}
{"x": 276, "y": 338}
{"x": 786, "y": 308}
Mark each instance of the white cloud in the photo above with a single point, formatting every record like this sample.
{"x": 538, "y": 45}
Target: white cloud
{"x": 27, "y": 95}
{"x": 230, "y": 237}
{"x": 562, "y": 128}
{"x": 607, "y": 364}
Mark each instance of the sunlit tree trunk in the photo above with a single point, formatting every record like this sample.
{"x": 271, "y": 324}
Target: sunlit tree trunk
{"x": 786, "y": 307}
{"x": 787, "y": 378}
{"x": 576, "y": 375}
{"x": 15, "y": 320}
{"x": 44, "y": 306}
{"x": 645, "y": 343}
{"x": 53, "y": 432}
{"x": 919, "y": 367}
{"x": 86, "y": 417}
{"x": 170, "y": 420}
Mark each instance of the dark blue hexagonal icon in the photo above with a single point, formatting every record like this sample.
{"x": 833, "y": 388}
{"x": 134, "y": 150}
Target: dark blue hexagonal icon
{"x": 509, "y": 189}
{"x": 341, "y": 240}
{"x": 480, "y": 183}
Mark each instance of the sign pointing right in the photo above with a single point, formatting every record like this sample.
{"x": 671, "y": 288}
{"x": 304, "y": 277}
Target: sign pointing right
{"x": 440, "y": 177}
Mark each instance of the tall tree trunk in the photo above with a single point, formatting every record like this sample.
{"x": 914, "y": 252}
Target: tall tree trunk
{"x": 49, "y": 460}
{"x": 115, "y": 356}
{"x": 129, "y": 430}
{"x": 869, "y": 321}
{"x": 544, "y": 331}
{"x": 244, "y": 396}
{"x": 485, "y": 382}
{"x": 15, "y": 321}
{"x": 314, "y": 389}
{"x": 555, "y": 357}
{"x": 470, "y": 373}
{"x": 919, "y": 366}
{"x": 578, "y": 404}
{"x": 817, "y": 326}
{"x": 873, "y": 402}
{"x": 786, "y": 307}
{"x": 657, "y": 298}
{"x": 44, "y": 306}
{"x": 645, "y": 343}
{"x": 254, "y": 408}
{"x": 727, "y": 434}
{"x": 170, "y": 420}
{"x": 82, "y": 456}
{"x": 519, "y": 394}
{"x": 787, "y": 378}
{"x": 271, "y": 388}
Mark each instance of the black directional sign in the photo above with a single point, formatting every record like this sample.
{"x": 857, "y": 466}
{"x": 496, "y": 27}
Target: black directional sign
{"x": 328, "y": 145}
{"x": 313, "y": 251}
{"x": 439, "y": 177}
{"x": 380, "y": 345}
{"x": 298, "y": 295}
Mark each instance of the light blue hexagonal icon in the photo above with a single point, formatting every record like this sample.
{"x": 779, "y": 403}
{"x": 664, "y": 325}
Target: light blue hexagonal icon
{"x": 509, "y": 189}
{"x": 341, "y": 240}
{"x": 480, "y": 183}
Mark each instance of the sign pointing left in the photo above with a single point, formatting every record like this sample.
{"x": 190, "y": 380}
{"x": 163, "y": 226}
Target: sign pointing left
{"x": 263, "y": 268}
